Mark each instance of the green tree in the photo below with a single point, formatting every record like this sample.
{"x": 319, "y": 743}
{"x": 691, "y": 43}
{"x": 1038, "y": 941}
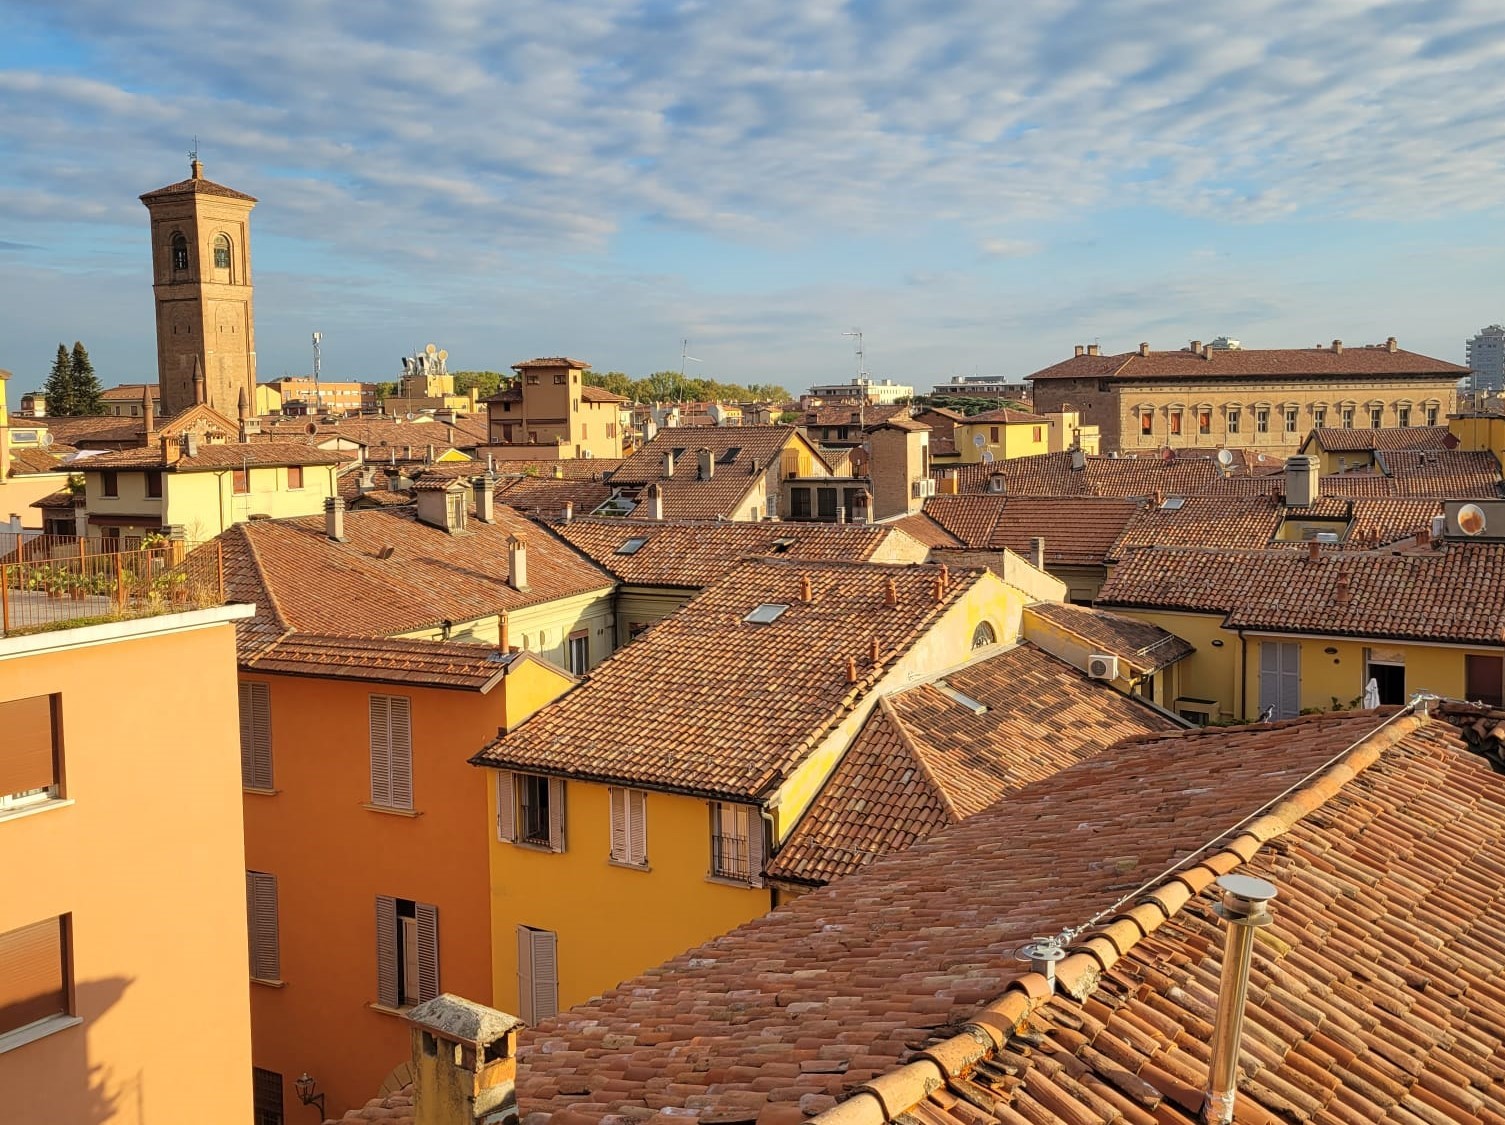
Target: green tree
{"x": 88, "y": 395}
{"x": 616, "y": 382}
{"x": 487, "y": 382}
{"x": 59, "y": 388}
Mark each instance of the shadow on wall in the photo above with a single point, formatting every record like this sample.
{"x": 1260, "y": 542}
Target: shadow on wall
{"x": 64, "y": 1084}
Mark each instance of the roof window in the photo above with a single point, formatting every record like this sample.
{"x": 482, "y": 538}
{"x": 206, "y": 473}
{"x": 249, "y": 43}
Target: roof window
{"x": 960, "y": 697}
{"x": 1172, "y": 503}
{"x": 765, "y": 613}
{"x": 633, "y": 545}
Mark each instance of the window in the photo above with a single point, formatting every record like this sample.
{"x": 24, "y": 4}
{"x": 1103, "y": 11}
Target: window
{"x": 30, "y": 757}
{"x": 295, "y": 476}
{"x": 240, "y": 481}
{"x": 261, "y": 924}
{"x": 109, "y": 483}
{"x": 530, "y": 810}
{"x": 1348, "y": 417}
{"x": 983, "y": 636}
{"x": 1290, "y": 419}
{"x": 1280, "y": 678}
{"x": 1403, "y": 415}
{"x": 391, "y": 752}
{"x": 407, "y": 952}
{"x": 584, "y": 431}
{"x": 1262, "y": 421}
{"x": 179, "y": 252}
{"x": 799, "y": 503}
{"x": 1319, "y": 416}
{"x": 765, "y": 614}
{"x": 559, "y": 380}
{"x": 1431, "y": 415}
{"x": 1204, "y": 421}
{"x": 1387, "y": 668}
{"x": 266, "y": 1097}
{"x": 632, "y": 546}
{"x": 36, "y": 982}
{"x": 537, "y": 974}
{"x": 1175, "y": 421}
{"x": 1484, "y": 679}
{"x": 221, "y": 252}
{"x": 1146, "y": 423}
{"x": 1233, "y": 417}
{"x": 531, "y": 380}
{"x": 736, "y": 843}
{"x": 993, "y": 434}
{"x": 629, "y": 827}
{"x": 154, "y": 486}
{"x": 1375, "y": 415}
{"x": 825, "y": 504}
{"x": 1039, "y": 435}
{"x": 578, "y": 652}
{"x": 256, "y": 736}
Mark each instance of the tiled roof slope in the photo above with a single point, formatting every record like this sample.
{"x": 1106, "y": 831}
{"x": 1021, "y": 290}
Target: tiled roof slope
{"x": 1451, "y": 593}
{"x": 197, "y": 185}
{"x": 1143, "y": 645}
{"x": 696, "y": 554}
{"x": 924, "y": 761}
{"x": 843, "y": 414}
{"x": 102, "y": 432}
{"x": 1051, "y": 474}
{"x": 1250, "y": 363}
{"x": 742, "y": 454}
{"x": 434, "y": 663}
{"x": 708, "y": 703}
{"x": 232, "y": 455}
{"x": 1010, "y": 415}
{"x": 545, "y": 494}
{"x": 302, "y": 581}
{"x": 387, "y": 435}
{"x": 926, "y": 530}
{"x": 23, "y": 461}
{"x": 572, "y": 468}
{"x": 1078, "y": 531}
{"x": 840, "y": 985}
{"x": 1336, "y": 440}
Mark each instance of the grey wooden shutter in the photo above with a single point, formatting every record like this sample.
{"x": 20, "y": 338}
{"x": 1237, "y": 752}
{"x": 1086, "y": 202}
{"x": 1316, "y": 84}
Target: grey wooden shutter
{"x": 255, "y": 736}
{"x": 1269, "y": 676}
{"x": 525, "y": 975}
{"x": 556, "y": 814}
{"x": 755, "y": 847}
{"x": 247, "y": 769}
{"x": 637, "y": 826}
{"x": 381, "y": 752}
{"x": 545, "y": 966}
{"x": 428, "y": 950}
{"x": 1290, "y": 681}
{"x": 620, "y": 850}
{"x": 506, "y": 806}
{"x": 262, "y": 924}
{"x": 401, "y": 748}
{"x": 386, "y": 952}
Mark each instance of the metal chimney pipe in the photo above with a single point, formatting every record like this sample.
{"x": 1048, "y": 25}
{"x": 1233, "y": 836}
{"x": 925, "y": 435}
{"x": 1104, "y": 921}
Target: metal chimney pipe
{"x": 1245, "y": 907}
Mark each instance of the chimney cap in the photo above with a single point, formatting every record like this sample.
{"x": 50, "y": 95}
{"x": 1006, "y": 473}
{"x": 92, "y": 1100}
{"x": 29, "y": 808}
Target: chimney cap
{"x": 462, "y": 1020}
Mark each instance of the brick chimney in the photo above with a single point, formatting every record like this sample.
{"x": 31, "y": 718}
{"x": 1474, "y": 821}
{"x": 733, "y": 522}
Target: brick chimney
{"x": 1144, "y": 347}
{"x": 1390, "y": 344}
{"x": 1080, "y": 350}
{"x": 485, "y": 490}
{"x": 1196, "y": 347}
{"x": 1342, "y": 592}
{"x": 1338, "y": 346}
{"x": 334, "y": 518}
{"x": 705, "y": 464}
{"x": 172, "y": 449}
{"x": 464, "y": 1059}
{"x": 517, "y": 563}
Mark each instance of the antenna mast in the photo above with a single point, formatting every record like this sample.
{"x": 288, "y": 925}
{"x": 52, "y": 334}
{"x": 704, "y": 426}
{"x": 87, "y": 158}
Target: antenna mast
{"x": 684, "y": 347}
{"x": 318, "y": 397}
{"x": 861, "y": 377}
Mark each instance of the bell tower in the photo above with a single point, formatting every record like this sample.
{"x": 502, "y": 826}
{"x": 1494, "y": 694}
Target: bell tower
{"x": 201, "y": 278}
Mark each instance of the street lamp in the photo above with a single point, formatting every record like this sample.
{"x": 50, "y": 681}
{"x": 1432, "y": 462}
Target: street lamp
{"x": 306, "y": 1089}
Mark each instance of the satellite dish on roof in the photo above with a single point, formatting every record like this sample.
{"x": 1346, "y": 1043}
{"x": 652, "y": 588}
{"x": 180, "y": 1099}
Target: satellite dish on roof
{"x": 979, "y": 441}
{"x": 443, "y": 353}
{"x": 1471, "y": 520}
{"x": 45, "y": 441}
{"x": 1225, "y": 458}
{"x": 409, "y": 415}
{"x": 311, "y": 428}
{"x": 987, "y": 456}
{"x": 430, "y": 349}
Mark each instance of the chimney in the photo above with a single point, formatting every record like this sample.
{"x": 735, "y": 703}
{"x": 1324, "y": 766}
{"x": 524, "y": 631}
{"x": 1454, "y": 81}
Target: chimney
{"x": 517, "y": 563}
{"x": 190, "y": 444}
{"x": 558, "y": 471}
{"x": 1078, "y": 460}
{"x": 171, "y": 450}
{"x": 198, "y": 382}
{"x": 851, "y": 670}
{"x": 890, "y": 592}
{"x": 1390, "y": 344}
{"x": 1424, "y": 537}
{"x": 464, "y": 1059}
{"x": 862, "y": 511}
{"x": 334, "y": 518}
{"x": 807, "y": 594}
{"x": 873, "y": 650}
{"x": 569, "y": 511}
{"x": 668, "y": 463}
{"x": 1080, "y": 350}
{"x": 485, "y": 490}
{"x": 148, "y": 412}
{"x": 1302, "y": 483}
{"x": 1338, "y": 346}
{"x": 1313, "y": 551}
{"x": 1342, "y": 592}
{"x": 1144, "y": 347}
{"x": 705, "y": 464}
{"x": 1093, "y": 349}
{"x": 655, "y": 502}
{"x": 1196, "y": 347}
{"x": 1037, "y": 552}
{"x": 1246, "y": 908}
{"x": 196, "y": 168}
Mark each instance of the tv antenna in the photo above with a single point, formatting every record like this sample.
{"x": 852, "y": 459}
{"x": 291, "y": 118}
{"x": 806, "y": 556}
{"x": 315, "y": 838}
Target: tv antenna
{"x": 861, "y": 355}
{"x": 684, "y": 348}
{"x": 318, "y": 399}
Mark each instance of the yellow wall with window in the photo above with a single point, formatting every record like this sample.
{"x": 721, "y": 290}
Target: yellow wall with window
{"x": 1014, "y": 439}
{"x": 206, "y": 503}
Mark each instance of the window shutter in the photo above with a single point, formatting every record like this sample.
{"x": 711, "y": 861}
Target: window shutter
{"x": 428, "y": 950}
{"x": 399, "y": 715}
{"x": 255, "y": 736}
{"x": 620, "y": 849}
{"x": 556, "y": 814}
{"x": 525, "y": 975}
{"x": 755, "y": 847}
{"x": 506, "y": 807}
{"x": 545, "y": 963}
{"x": 381, "y": 753}
{"x": 32, "y": 986}
{"x": 27, "y": 756}
{"x": 247, "y": 767}
{"x": 637, "y": 826}
{"x": 386, "y": 951}
{"x": 261, "y": 910}
{"x": 1290, "y": 681}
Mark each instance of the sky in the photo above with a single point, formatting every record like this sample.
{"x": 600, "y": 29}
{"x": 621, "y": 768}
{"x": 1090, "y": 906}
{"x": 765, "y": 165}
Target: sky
{"x": 977, "y": 186}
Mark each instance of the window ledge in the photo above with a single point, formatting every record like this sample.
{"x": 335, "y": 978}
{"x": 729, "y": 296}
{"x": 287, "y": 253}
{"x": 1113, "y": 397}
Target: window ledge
{"x": 630, "y": 866}
{"x": 259, "y": 791}
{"x": 391, "y": 811}
{"x": 733, "y": 881}
{"x": 34, "y": 1031}
{"x": 529, "y": 845}
{"x": 269, "y": 983}
{"x": 387, "y": 1010}
{"x": 32, "y": 810}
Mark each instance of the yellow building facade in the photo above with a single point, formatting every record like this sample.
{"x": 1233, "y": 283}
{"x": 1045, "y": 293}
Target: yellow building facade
{"x": 998, "y": 435}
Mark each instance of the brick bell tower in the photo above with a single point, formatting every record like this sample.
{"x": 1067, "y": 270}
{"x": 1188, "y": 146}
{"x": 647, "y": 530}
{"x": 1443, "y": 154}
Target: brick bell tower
{"x": 201, "y": 278}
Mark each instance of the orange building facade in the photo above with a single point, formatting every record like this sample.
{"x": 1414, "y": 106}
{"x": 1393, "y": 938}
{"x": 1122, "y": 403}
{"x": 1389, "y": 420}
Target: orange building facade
{"x": 123, "y": 994}
{"x": 367, "y": 881}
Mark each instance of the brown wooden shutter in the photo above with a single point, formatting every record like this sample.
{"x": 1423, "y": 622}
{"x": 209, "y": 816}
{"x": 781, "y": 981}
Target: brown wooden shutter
{"x": 386, "y": 952}
{"x": 620, "y": 849}
{"x": 381, "y": 752}
{"x": 400, "y": 715}
{"x": 28, "y": 750}
{"x": 255, "y": 736}
{"x": 637, "y": 826}
{"x": 262, "y": 922}
{"x": 428, "y": 950}
{"x": 32, "y": 982}
{"x": 556, "y": 814}
{"x": 506, "y": 806}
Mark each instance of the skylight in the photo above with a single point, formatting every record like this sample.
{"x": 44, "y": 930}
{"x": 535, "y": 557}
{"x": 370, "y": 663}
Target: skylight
{"x": 965, "y": 700}
{"x": 765, "y": 613}
{"x": 1172, "y": 503}
{"x": 633, "y": 545}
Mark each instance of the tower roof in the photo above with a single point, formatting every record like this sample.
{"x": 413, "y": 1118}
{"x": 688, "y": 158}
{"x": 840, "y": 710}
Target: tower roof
{"x": 196, "y": 185}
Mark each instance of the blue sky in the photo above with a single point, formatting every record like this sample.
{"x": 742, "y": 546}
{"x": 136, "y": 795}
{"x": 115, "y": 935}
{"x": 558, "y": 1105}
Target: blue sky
{"x": 977, "y": 186}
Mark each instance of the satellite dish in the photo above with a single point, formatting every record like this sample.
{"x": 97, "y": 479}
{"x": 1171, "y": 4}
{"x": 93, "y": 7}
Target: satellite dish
{"x": 45, "y": 441}
{"x": 1471, "y": 520}
{"x": 987, "y": 456}
{"x": 1225, "y": 458}
{"x": 430, "y": 349}
{"x": 409, "y": 415}
{"x": 311, "y": 428}
{"x": 979, "y": 441}
{"x": 443, "y": 353}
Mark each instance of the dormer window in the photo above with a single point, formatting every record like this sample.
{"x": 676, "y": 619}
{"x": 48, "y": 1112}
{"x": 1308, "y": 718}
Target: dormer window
{"x": 179, "y": 252}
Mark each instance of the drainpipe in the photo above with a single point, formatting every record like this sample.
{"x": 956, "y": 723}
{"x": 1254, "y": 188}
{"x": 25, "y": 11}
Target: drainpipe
{"x": 1242, "y": 686}
{"x": 1245, "y": 907}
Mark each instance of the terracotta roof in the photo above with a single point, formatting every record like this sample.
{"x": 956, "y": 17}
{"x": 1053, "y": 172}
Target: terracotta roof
{"x": 1077, "y": 531}
{"x": 302, "y": 581}
{"x": 101, "y": 432}
{"x": 23, "y": 461}
{"x": 1452, "y": 593}
{"x": 1007, "y": 415}
{"x": 130, "y": 392}
{"x": 1252, "y": 363}
{"x": 387, "y": 434}
{"x": 926, "y": 530}
{"x": 1051, "y": 474}
{"x": 384, "y": 659}
{"x": 196, "y": 186}
{"x": 843, "y": 413}
{"x": 846, "y": 983}
{"x": 742, "y": 455}
{"x": 572, "y": 468}
{"x": 1335, "y": 439}
{"x": 547, "y": 495}
{"x": 589, "y": 393}
{"x": 231, "y": 455}
{"x": 552, "y": 361}
{"x": 897, "y": 422}
{"x": 1147, "y": 647}
{"x": 925, "y": 760}
{"x": 371, "y": 498}
{"x": 693, "y": 554}
{"x": 709, "y": 703}
{"x": 62, "y": 498}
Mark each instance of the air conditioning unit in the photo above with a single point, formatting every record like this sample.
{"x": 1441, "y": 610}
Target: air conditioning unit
{"x": 924, "y": 488}
{"x": 1101, "y": 666}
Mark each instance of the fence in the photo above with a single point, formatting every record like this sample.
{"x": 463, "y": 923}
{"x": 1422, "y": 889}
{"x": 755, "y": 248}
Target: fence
{"x": 39, "y": 593}
{"x": 34, "y": 547}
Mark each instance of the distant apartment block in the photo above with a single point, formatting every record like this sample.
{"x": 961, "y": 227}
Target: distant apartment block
{"x": 982, "y": 386}
{"x": 325, "y": 395}
{"x": 1486, "y": 359}
{"x": 884, "y": 393}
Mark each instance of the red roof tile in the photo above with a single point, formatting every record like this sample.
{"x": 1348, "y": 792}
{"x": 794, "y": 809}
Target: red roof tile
{"x": 1247, "y": 363}
{"x": 1145, "y": 646}
{"x": 743, "y": 454}
{"x": 1077, "y": 531}
{"x": 196, "y": 186}
{"x": 1334, "y": 439}
{"x": 386, "y": 659}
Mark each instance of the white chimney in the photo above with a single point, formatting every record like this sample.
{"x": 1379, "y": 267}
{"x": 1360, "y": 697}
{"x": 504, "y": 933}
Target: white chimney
{"x": 569, "y": 511}
{"x": 1078, "y": 459}
{"x": 1144, "y": 347}
{"x": 1302, "y": 481}
{"x": 655, "y": 496}
{"x": 334, "y": 518}
{"x": 1246, "y": 908}
{"x": 668, "y": 463}
{"x": 517, "y": 563}
{"x": 1037, "y": 552}
{"x": 705, "y": 464}
{"x": 1338, "y": 346}
{"x": 485, "y": 490}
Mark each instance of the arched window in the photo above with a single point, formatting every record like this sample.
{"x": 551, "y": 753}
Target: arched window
{"x": 221, "y": 252}
{"x": 983, "y": 636}
{"x": 179, "y": 252}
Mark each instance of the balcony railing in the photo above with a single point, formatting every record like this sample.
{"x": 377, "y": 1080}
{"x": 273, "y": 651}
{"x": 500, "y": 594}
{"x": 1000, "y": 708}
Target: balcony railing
{"x": 38, "y": 594}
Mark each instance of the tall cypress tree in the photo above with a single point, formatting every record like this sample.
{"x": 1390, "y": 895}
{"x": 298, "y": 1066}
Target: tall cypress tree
{"x": 59, "y": 388}
{"x": 88, "y": 395}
